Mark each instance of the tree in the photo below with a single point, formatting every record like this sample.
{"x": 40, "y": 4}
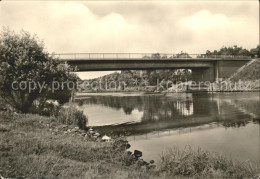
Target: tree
{"x": 183, "y": 55}
{"x": 156, "y": 56}
{"x": 233, "y": 50}
{"x": 255, "y": 52}
{"x": 25, "y": 63}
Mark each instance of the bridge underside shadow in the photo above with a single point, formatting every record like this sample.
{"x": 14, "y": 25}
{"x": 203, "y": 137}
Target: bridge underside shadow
{"x": 203, "y": 74}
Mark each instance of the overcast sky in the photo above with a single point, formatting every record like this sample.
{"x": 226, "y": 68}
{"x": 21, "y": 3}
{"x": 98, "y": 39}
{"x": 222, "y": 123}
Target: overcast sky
{"x": 137, "y": 26}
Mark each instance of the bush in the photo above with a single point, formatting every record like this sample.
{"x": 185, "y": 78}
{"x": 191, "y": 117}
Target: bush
{"x": 72, "y": 116}
{"x": 46, "y": 109}
{"x": 23, "y": 60}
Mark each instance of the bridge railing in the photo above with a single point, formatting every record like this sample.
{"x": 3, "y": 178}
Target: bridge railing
{"x": 121, "y": 56}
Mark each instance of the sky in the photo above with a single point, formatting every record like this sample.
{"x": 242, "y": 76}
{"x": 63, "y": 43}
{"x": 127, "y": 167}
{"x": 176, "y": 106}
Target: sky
{"x": 135, "y": 26}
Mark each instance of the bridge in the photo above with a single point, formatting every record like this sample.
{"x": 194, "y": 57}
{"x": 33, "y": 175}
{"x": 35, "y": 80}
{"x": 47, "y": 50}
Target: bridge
{"x": 204, "y": 67}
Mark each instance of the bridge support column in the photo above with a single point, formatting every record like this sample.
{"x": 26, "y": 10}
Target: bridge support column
{"x": 216, "y": 71}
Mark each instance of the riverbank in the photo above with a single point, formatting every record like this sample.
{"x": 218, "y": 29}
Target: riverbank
{"x": 37, "y": 146}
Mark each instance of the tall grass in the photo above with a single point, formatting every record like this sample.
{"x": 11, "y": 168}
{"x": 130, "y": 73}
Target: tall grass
{"x": 72, "y": 116}
{"x": 203, "y": 164}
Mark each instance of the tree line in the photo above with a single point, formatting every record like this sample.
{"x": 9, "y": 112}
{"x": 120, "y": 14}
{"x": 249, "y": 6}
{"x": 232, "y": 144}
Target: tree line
{"x": 223, "y": 51}
{"x": 236, "y": 51}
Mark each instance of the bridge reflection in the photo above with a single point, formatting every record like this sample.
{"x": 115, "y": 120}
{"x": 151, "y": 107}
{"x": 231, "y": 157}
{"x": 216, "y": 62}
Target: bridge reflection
{"x": 160, "y": 112}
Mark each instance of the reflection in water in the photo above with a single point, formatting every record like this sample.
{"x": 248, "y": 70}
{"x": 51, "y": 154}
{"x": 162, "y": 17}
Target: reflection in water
{"x": 240, "y": 143}
{"x": 221, "y": 122}
{"x": 154, "y": 107}
{"x": 185, "y": 108}
{"x": 174, "y": 108}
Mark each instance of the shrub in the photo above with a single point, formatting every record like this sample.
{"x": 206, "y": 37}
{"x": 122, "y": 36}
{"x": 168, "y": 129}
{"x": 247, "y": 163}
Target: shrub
{"x": 23, "y": 60}
{"x": 72, "y": 116}
{"x": 46, "y": 109}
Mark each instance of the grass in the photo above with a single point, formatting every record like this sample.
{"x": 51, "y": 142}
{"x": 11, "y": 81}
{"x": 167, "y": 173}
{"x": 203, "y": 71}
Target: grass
{"x": 28, "y": 148}
{"x": 202, "y": 164}
{"x": 250, "y": 72}
{"x": 35, "y": 146}
{"x": 72, "y": 116}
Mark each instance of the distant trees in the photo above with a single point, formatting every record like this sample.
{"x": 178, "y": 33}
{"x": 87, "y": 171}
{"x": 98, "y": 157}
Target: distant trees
{"x": 137, "y": 78}
{"x": 182, "y": 55}
{"x": 153, "y": 56}
{"x": 156, "y": 55}
{"x": 224, "y": 51}
{"x": 167, "y": 56}
{"x": 234, "y": 51}
{"x": 24, "y": 65}
{"x": 255, "y": 52}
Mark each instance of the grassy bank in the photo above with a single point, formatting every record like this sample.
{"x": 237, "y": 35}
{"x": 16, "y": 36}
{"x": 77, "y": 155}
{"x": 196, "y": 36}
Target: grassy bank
{"x": 202, "y": 164}
{"x": 250, "y": 71}
{"x": 36, "y": 146}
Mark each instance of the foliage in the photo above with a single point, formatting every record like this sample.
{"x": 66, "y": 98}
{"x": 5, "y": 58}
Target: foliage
{"x": 156, "y": 56}
{"x": 49, "y": 108}
{"x": 24, "y": 61}
{"x": 135, "y": 78}
{"x": 235, "y": 51}
{"x": 72, "y": 116}
{"x": 182, "y": 55}
{"x": 202, "y": 164}
{"x": 166, "y": 56}
{"x": 29, "y": 149}
{"x": 255, "y": 52}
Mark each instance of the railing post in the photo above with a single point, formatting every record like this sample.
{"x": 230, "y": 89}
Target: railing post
{"x": 129, "y": 55}
{"x": 75, "y": 56}
{"x": 103, "y": 55}
{"x": 89, "y": 56}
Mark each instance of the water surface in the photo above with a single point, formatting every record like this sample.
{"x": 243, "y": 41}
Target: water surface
{"x": 226, "y": 123}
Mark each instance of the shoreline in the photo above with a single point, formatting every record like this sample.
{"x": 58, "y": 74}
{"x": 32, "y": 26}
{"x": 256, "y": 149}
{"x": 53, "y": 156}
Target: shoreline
{"x": 38, "y": 146}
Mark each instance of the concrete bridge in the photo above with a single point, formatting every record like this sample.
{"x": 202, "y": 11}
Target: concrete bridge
{"x": 204, "y": 67}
